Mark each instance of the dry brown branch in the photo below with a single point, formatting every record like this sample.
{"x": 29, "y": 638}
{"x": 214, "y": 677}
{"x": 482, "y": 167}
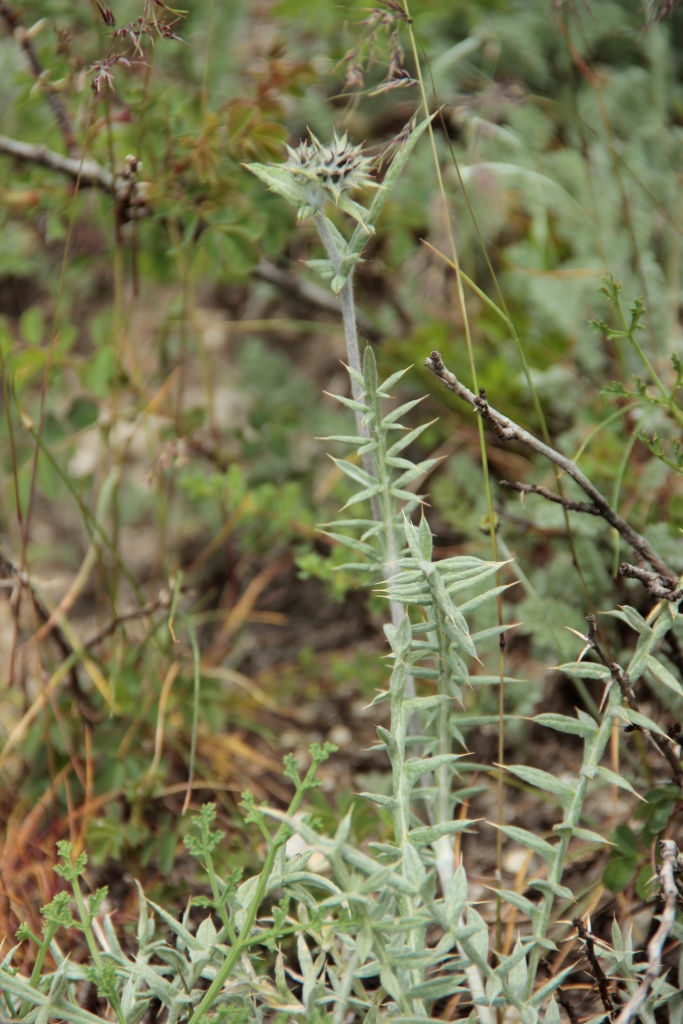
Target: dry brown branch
{"x": 162, "y": 601}
{"x": 128, "y": 191}
{"x": 568, "y": 503}
{"x": 87, "y": 172}
{"x": 651, "y": 581}
{"x": 672, "y": 864}
{"x": 599, "y": 975}
{"x": 507, "y": 430}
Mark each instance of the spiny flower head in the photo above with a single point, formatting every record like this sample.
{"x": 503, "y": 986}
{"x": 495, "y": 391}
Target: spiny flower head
{"x": 337, "y": 168}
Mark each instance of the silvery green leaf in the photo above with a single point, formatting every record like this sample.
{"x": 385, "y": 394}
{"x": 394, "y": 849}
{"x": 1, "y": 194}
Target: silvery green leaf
{"x": 419, "y": 469}
{"x": 476, "y": 602}
{"x": 388, "y": 802}
{"x": 390, "y": 179}
{"x": 113, "y": 939}
{"x": 530, "y": 840}
{"x": 420, "y": 539}
{"x": 404, "y": 496}
{"x": 572, "y": 726}
{"x": 386, "y": 386}
{"x": 477, "y": 945}
{"x": 175, "y": 925}
{"x": 396, "y": 414}
{"x": 391, "y": 983}
{"x": 350, "y": 403}
{"x": 325, "y": 268}
{"x": 280, "y": 181}
{"x": 454, "y": 587}
{"x": 408, "y": 438}
{"x": 59, "y": 983}
{"x": 365, "y": 567}
{"x": 662, "y": 675}
{"x": 518, "y": 973}
{"x": 552, "y": 1014}
{"x": 607, "y": 775}
{"x": 370, "y": 379}
{"x": 456, "y": 899}
{"x": 633, "y": 618}
{"x": 427, "y": 834}
{"x": 516, "y": 899}
{"x": 353, "y": 439}
{"x": 560, "y": 891}
{"x": 491, "y": 633}
{"x": 15, "y": 985}
{"x": 417, "y": 767}
{"x": 172, "y": 957}
{"x": 398, "y": 463}
{"x": 587, "y": 670}
{"x": 68, "y": 1012}
{"x": 582, "y": 833}
{"x": 424, "y": 703}
{"x": 413, "y": 867}
{"x": 364, "y": 495}
{"x": 437, "y": 988}
{"x": 388, "y": 740}
{"x": 367, "y": 865}
{"x": 351, "y": 542}
{"x": 635, "y": 718}
{"x": 355, "y": 210}
{"x": 544, "y": 780}
{"x": 166, "y": 992}
{"x": 358, "y": 377}
{"x": 528, "y": 1015}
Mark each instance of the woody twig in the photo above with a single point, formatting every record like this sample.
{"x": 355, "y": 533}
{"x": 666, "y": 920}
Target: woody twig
{"x": 663, "y": 579}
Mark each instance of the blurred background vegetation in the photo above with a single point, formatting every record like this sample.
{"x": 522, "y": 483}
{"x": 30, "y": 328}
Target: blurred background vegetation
{"x": 170, "y": 622}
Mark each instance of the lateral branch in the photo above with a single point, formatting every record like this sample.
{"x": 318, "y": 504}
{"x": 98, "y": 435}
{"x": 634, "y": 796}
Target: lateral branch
{"x": 507, "y": 430}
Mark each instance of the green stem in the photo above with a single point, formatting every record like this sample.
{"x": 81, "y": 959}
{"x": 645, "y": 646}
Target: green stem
{"x": 595, "y": 748}
{"x": 86, "y": 925}
{"x": 382, "y": 506}
{"x": 242, "y": 942}
{"x": 667, "y": 398}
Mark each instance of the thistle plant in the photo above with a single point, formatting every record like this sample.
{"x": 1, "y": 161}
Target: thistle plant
{"x": 385, "y": 933}
{"x": 313, "y": 177}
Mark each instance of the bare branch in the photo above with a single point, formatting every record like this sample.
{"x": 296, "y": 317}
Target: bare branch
{"x": 88, "y": 172}
{"x": 651, "y": 581}
{"x": 601, "y": 978}
{"x": 670, "y": 867}
{"x": 128, "y": 191}
{"x": 162, "y": 601}
{"x": 559, "y": 499}
{"x": 507, "y": 430}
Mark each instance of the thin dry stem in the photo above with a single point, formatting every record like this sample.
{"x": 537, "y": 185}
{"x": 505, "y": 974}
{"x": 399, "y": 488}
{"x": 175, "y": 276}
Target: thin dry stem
{"x": 508, "y": 430}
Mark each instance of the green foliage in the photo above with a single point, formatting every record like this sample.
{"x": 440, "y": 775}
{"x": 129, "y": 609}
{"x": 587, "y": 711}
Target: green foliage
{"x": 160, "y": 468}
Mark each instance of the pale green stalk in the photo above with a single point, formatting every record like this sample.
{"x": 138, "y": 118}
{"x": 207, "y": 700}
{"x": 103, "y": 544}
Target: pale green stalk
{"x": 243, "y": 942}
{"x": 594, "y": 749}
{"x": 382, "y": 506}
